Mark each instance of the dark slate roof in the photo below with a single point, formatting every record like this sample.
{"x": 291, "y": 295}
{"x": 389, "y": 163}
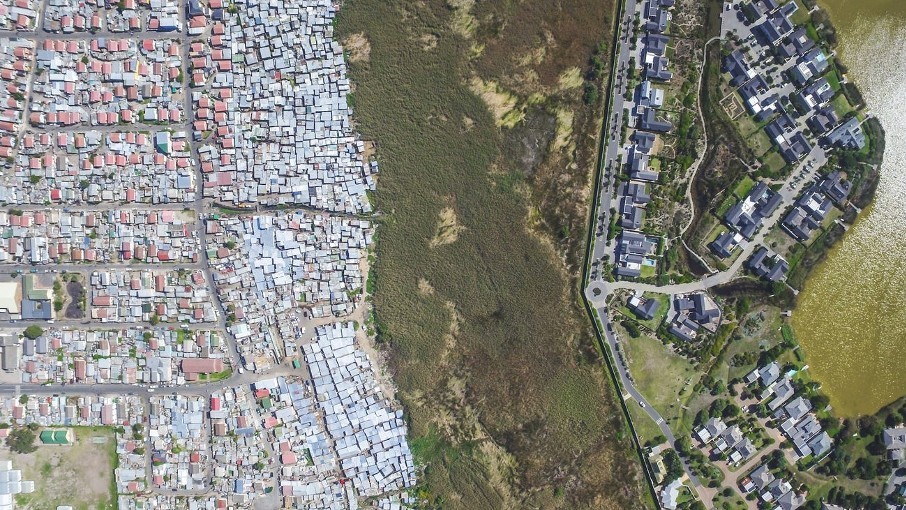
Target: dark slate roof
{"x": 768, "y": 265}
{"x": 747, "y": 215}
{"x": 648, "y": 121}
{"x": 776, "y": 26}
{"x": 814, "y": 63}
{"x": 810, "y": 210}
{"x": 631, "y": 251}
{"x": 655, "y": 16}
{"x": 631, "y": 216}
{"x": 635, "y": 190}
{"x": 702, "y": 312}
{"x": 658, "y": 69}
{"x": 835, "y": 186}
{"x": 656, "y": 43}
{"x": 793, "y": 145}
{"x": 682, "y": 331}
{"x": 644, "y": 308}
{"x": 755, "y": 9}
{"x": 814, "y": 95}
{"x": 735, "y": 64}
{"x": 796, "y": 43}
{"x": 647, "y": 95}
{"x": 638, "y": 167}
{"x": 643, "y": 141}
{"x": 848, "y": 135}
{"x": 823, "y": 119}
{"x": 724, "y": 245}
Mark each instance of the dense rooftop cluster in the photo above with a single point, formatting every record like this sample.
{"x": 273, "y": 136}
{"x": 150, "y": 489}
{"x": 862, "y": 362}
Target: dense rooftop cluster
{"x": 275, "y": 269}
{"x": 152, "y": 152}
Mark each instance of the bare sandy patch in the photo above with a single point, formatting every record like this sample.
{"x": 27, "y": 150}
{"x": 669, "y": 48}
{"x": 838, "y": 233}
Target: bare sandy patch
{"x": 504, "y": 106}
{"x": 571, "y": 78}
{"x": 463, "y": 22}
{"x": 564, "y": 132}
{"x": 359, "y": 47}
{"x": 425, "y": 288}
{"x": 448, "y": 228}
{"x": 428, "y": 41}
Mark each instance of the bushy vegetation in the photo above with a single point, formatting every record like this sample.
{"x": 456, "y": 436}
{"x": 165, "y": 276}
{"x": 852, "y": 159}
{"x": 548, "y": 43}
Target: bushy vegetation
{"x": 505, "y": 393}
{"x": 21, "y": 440}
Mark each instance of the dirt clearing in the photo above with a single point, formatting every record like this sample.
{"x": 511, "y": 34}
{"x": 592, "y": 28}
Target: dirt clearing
{"x": 79, "y": 475}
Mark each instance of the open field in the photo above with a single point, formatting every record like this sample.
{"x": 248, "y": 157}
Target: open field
{"x": 479, "y": 122}
{"x": 664, "y": 378}
{"x": 80, "y": 475}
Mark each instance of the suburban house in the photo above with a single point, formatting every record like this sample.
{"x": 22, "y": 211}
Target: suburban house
{"x": 808, "y": 212}
{"x": 836, "y": 187}
{"x": 814, "y": 63}
{"x": 776, "y": 26}
{"x": 740, "y": 71}
{"x": 790, "y": 141}
{"x": 822, "y": 120}
{"x": 795, "y": 44}
{"x": 747, "y": 215}
{"x": 648, "y": 96}
{"x": 848, "y": 135}
{"x": 814, "y": 95}
{"x": 648, "y": 121}
{"x": 725, "y": 243}
{"x": 768, "y": 265}
{"x": 632, "y": 197}
{"x": 643, "y": 308}
{"x": 693, "y": 312}
{"x": 632, "y": 248}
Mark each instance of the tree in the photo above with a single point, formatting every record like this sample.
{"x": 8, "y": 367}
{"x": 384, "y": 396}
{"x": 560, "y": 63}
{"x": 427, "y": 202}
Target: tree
{"x": 673, "y": 466}
{"x": 33, "y": 332}
{"x": 819, "y": 401}
{"x": 590, "y": 93}
{"x": 21, "y": 440}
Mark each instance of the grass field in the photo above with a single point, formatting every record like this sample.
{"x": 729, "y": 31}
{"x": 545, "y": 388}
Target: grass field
{"x": 80, "y": 475}
{"x": 661, "y": 376}
{"x": 506, "y": 395}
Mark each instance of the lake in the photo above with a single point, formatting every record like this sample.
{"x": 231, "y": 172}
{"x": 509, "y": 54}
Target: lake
{"x": 851, "y": 315}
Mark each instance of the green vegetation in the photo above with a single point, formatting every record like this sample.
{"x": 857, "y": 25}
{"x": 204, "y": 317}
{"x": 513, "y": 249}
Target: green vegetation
{"x": 21, "y": 440}
{"x": 33, "y": 332}
{"x": 506, "y": 397}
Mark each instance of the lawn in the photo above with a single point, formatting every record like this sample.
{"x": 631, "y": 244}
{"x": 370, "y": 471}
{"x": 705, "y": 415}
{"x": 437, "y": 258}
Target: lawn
{"x": 801, "y": 16}
{"x": 841, "y": 106}
{"x": 744, "y": 186}
{"x": 746, "y": 125}
{"x": 79, "y": 475}
{"x": 761, "y": 331}
{"x": 774, "y": 163}
{"x": 645, "y": 427}
{"x": 833, "y": 79}
{"x": 662, "y": 377}
{"x": 653, "y": 323}
{"x": 759, "y": 143}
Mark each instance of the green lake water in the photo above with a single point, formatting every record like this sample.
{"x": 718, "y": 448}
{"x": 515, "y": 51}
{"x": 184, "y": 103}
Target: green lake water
{"x": 851, "y": 315}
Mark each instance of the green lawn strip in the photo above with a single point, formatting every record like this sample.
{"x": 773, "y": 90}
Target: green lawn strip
{"x": 660, "y": 375}
{"x": 841, "y": 106}
{"x": 652, "y": 323}
{"x": 744, "y": 186}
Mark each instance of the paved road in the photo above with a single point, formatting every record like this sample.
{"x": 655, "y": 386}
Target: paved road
{"x": 598, "y": 291}
{"x": 612, "y": 133}
{"x": 633, "y": 392}
{"x": 600, "y": 248}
